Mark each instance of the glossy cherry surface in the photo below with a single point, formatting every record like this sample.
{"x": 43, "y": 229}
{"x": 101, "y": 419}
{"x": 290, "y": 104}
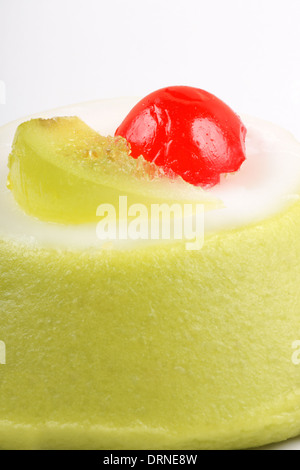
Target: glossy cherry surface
{"x": 187, "y": 130}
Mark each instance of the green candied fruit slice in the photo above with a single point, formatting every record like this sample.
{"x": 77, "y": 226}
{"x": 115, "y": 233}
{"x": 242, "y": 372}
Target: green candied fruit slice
{"x": 61, "y": 170}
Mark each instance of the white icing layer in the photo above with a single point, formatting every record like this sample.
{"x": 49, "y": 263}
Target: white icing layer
{"x": 268, "y": 180}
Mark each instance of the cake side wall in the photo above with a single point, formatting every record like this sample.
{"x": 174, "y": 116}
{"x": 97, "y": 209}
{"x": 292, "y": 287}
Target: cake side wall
{"x": 176, "y": 346}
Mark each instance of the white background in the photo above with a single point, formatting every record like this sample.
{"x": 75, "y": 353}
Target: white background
{"x": 57, "y": 52}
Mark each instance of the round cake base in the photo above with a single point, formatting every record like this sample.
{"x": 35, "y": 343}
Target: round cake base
{"x": 153, "y": 347}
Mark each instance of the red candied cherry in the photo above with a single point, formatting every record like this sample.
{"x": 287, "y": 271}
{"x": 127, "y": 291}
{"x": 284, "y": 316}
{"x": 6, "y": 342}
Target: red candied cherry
{"x": 187, "y": 130}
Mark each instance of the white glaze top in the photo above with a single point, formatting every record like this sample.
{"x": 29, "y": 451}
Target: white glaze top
{"x": 268, "y": 180}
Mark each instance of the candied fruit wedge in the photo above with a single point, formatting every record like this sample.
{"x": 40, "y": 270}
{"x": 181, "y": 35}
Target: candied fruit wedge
{"x": 61, "y": 170}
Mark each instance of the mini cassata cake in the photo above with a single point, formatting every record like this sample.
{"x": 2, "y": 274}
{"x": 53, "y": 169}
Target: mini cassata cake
{"x": 124, "y": 343}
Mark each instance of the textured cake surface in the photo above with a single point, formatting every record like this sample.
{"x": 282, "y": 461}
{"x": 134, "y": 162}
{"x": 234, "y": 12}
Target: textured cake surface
{"x": 149, "y": 347}
{"x": 105, "y": 350}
